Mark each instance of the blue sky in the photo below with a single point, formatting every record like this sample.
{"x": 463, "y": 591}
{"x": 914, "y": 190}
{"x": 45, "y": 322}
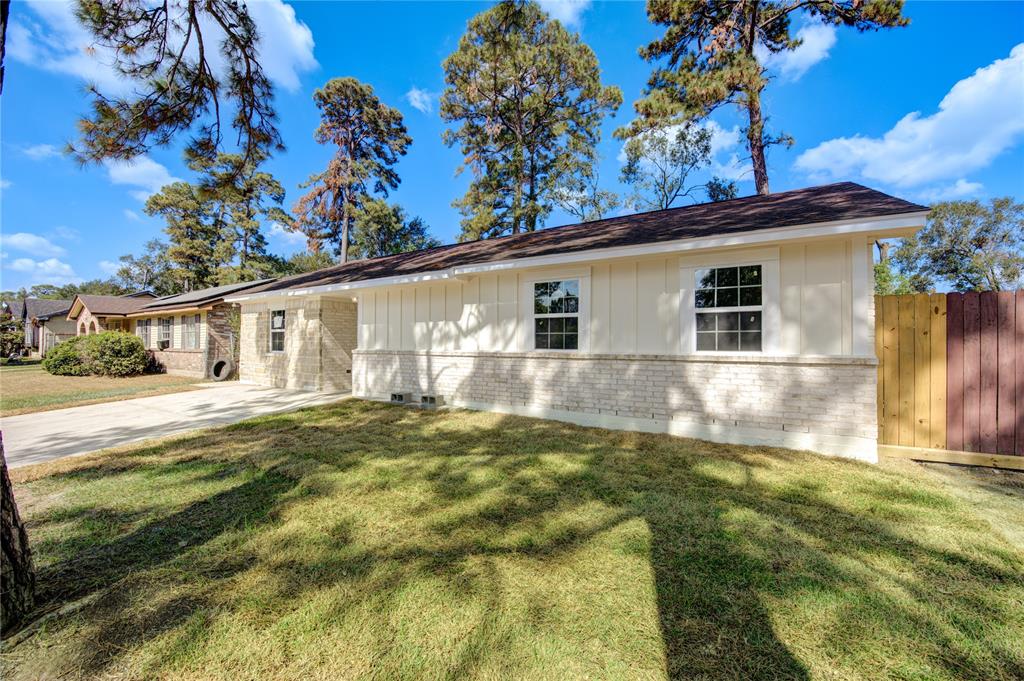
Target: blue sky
{"x": 929, "y": 112}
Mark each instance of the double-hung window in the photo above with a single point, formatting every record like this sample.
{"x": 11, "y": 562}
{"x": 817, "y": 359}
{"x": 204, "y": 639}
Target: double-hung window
{"x": 190, "y": 331}
{"x": 166, "y": 331}
{"x": 728, "y": 302}
{"x": 142, "y": 331}
{"x": 277, "y": 331}
{"x": 556, "y": 315}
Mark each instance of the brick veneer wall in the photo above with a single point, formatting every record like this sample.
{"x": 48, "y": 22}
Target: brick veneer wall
{"x": 825, "y": 404}
{"x": 220, "y": 337}
{"x": 320, "y": 335}
{"x": 182, "y": 362}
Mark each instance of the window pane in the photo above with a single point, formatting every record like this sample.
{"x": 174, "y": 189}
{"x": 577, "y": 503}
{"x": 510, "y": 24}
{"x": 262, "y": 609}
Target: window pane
{"x": 728, "y": 321}
{"x": 541, "y": 341}
{"x": 572, "y": 305}
{"x": 572, "y": 287}
{"x": 705, "y": 298}
{"x": 571, "y": 341}
{"x": 750, "y": 275}
{"x": 750, "y": 321}
{"x": 726, "y": 276}
{"x": 557, "y": 325}
{"x": 705, "y": 322}
{"x": 705, "y": 341}
{"x": 572, "y": 325}
{"x": 750, "y": 340}
{"x": 557, "y": 341}
{"x": 750, "y": 295}
{"x": 705, "y": 278}
{"x": 728, "y": 341}
{"x": 541, "y": 325}
{"x": 728, "y": 297}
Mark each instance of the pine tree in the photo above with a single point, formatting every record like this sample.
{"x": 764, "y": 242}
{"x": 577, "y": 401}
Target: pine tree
{"x": 166, "y": 50}
{"x": 150, "y": 271}
{"x": 194, "y": 231}
{"x": 527, "y": 100}
{"x": 370, "y": 137}
{"x": 709, "y": 58}
{"x": 244, "y": 199}
{"x": 382, "y": 229}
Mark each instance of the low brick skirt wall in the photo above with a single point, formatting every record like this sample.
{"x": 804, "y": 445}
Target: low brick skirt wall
{"x": 182, "y": 362}
{"x": 824, "y": 404}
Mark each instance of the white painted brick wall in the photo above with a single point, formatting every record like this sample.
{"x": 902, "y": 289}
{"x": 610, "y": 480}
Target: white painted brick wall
{"x": 821, "y": 403}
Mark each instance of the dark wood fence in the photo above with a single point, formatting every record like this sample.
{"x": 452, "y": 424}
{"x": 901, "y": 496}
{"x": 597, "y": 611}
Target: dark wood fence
{"x": 951, "y": 376}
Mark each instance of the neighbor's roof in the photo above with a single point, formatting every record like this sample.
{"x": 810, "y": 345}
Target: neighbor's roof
{"x": 107, "y": 305}
{"x": 42, "y": 308}
{"x": 828, "y": 203}
{"x": 17, "y": 308}
{"x": 199, "y": 298}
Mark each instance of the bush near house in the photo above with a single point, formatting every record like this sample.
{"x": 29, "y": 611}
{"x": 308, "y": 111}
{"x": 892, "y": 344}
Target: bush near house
{"x": 110, "y": 353}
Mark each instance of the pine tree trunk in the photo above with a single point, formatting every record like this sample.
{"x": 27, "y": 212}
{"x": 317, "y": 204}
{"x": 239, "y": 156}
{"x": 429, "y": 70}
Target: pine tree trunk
{"x": 755, "y": 139}
{"x": 19, "y": 576}
{"x": 344, "y": 232}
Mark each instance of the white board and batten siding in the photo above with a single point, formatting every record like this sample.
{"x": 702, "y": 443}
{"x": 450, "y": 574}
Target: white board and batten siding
{"x": 816, "y": 301}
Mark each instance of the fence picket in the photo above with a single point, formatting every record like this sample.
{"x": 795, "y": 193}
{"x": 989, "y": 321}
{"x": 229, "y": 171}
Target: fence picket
{"x": 955, "y": 372}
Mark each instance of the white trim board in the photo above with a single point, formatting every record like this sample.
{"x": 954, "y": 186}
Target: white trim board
{"x": 813, "y": 230}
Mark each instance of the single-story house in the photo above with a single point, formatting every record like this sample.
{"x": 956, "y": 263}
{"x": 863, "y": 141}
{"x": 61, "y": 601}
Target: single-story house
{"x": 190, "y": 334}
{"x": 743, "y": 321}
{"x": 43, "y": 322}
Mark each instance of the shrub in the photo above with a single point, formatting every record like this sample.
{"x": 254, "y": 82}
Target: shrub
{"x": 65, "y": 359}
{"x": 110, "y": 353}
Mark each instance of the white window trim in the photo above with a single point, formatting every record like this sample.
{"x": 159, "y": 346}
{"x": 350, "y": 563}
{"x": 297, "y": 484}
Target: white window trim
{"x": 197, "y": 321}
{"x": 526, "y": 316}
{"x": 271, "y": 331}
{"x": 771, "y": 309}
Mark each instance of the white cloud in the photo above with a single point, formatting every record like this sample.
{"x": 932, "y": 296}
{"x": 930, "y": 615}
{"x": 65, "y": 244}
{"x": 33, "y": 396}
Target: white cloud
{"x": 569, "y": 12}
{"x": 818, "y": 39}
{"x": 31, "y": 243}
{"x": 65, "y": 232}
{"x": 286, "y": 44}
{"x": 141, "y": 172}
{"x": 977, "y": 120}
{"x": 5, "y": 184}
{"x": 39, "y": 152}
{"x": 51, "y": 38}
{"x": 278, "y": 231}
{"x": 109, "y": 267}
{"x": 961, "y": 189}
{"x": 421, "y": 100}
{"x": 131, "y": 215}
{"x": 49, "y": 271}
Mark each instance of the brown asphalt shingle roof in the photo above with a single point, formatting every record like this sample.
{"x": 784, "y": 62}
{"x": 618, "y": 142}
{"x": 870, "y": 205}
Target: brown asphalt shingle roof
{"x": 113, "y": 305}
{"x": 200, "y": 297}
{"x": 841, "y": 201}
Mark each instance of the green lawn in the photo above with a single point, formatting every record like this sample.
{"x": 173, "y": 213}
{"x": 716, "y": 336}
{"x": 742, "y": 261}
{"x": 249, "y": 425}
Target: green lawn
{"x": 362, "y": 540}
{"x": 27, "y": 388}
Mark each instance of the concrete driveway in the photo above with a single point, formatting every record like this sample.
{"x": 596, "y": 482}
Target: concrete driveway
{"x": 48, "y": 435}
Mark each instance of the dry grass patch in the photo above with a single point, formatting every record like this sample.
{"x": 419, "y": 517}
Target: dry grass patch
{"x": 25, "y": 389}
{"x": 362, "y": 540}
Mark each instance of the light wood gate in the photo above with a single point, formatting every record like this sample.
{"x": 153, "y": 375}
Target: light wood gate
{"x": 951, "y": 377}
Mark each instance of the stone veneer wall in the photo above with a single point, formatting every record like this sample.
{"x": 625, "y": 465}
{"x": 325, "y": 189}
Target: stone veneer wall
{"x": 320, "y": 335}
{"x": 824, "y": 404}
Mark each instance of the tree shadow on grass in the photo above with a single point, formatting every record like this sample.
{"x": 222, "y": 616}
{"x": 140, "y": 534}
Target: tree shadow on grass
{"x": 737, "y": 542}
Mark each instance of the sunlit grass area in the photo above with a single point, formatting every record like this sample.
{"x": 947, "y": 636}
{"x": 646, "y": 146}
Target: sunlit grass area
{"x": 27, "y": 388}
{"x": 363, "y": 540}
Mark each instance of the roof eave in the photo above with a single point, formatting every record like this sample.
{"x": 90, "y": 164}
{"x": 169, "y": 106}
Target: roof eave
{"x": 888, "y": 226}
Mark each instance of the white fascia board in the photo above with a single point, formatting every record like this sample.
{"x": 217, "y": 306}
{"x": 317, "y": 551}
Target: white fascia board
{"x": 900, "y": 222}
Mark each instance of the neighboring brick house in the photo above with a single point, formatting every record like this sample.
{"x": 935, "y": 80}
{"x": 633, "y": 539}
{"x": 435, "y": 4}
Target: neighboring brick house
{"x": 43, "y": 321}
{"x": 188, "y": 333}
{"x": 746, "y": 321}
